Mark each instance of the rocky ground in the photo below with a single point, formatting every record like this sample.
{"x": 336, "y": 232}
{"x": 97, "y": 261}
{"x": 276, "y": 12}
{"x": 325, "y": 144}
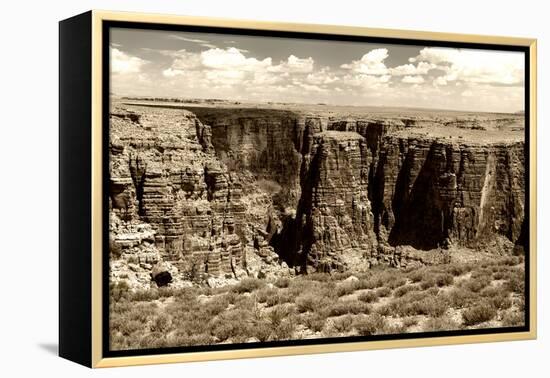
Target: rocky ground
{"x": 206, "y": 196}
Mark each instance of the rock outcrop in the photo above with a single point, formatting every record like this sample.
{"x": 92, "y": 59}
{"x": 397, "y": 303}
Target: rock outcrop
{"x": 317, "y": 191}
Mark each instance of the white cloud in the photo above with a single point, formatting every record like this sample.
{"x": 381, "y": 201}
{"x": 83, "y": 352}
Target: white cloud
{"x": 372, "y": 63}
{"x": 366, "y": 81}
{"x": 122, "y": 63}
{"x": 323, "y": 76}
{"x": 467, "y": 81}
{"x": 421, "y": 68}
{"x": 412, "y": 79}
{"x": 440, "y": 81}
{"x": 294, "y": 65}
{"x": 232, "y": 59}
{"x": 184, "y": 60}
{"x": 476, "y": 66}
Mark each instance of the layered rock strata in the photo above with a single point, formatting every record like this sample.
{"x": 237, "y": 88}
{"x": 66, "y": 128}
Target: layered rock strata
{"x": 320, "y": 192}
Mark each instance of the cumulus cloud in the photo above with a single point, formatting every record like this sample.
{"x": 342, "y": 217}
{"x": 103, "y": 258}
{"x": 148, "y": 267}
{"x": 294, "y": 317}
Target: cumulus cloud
{"x": 434, "y": 77}
{"x": 476, "y": 66}
{"x": 372, "y": 63}
{"x": 412, "y": 79}
{"x": 231, "y": 59}
{"x": 122, "y": 63}
{"x": 294, "y": 64}
{"x": 366, "y": 81}
{"x": 421, "y": 68}
{"x": 323, "y": 76}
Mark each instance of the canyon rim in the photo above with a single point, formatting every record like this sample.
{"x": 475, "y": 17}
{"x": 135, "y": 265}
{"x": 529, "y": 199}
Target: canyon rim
{"x": 278, "y": 189}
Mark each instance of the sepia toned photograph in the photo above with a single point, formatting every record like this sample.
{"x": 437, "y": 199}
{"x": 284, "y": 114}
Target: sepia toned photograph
{"x": 265, "y": 190}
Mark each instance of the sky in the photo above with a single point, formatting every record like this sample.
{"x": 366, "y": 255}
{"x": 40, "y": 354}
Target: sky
{"x": 262, "y": 69}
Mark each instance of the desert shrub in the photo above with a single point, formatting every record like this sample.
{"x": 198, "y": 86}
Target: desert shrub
{"x": 458, "y": 269}
{"x": 151, "y": 340}
{"x": 184, "y": 339}
{"x": 396, "y": 282}
{"x": 513, "y": 319}
{"x": 127, "y": 327}
{"x": 349, "y": 287}
{"x": 277, "y": 314}
{"x": 312, "y": 302}
{"x": 409, "y": 322}
{"x": 385, "y": 310}
{"x": 493, "y": 291}
{"x": 247, "y": 285}
{"x": 231, "y": 325}
{"x": 340, "y": 276}
{"x": 434, "y": 279}
{"x": 261, "y": 330}
{"x": 483, "y": 271}
{"x": 478, "y": 314}
{"x": 460, "y": 298}
{"x": 215, "y": 305}
{"x": 280, "y": 297}
{"x": 348, "y": 307}
{"x": 432, "y": 291}
{"x": 476, "y": 284}
{"x": 520, "y": 303}
{"x": 380, "y": 278}
{"x": 315, "y": 322}
{"x": 282, "y": 282}
{"x": 511, "y": 261}
{"x": 265, "y": 293}
{"x": 516, "y": 283}
{"x": 442, "y": 323}
{"x": 428, "y": 283}
{"x": 231, "y": 297}
{"x": 418, "y": 275}
{"x": 187, "y": 296}
{"x": 343, "y": 324}
{"x": 161, "y": 323}
{"x": 300, "y": 285}
{"x": 444, "y": 279}
{"x": 285, "y": 330}
{"x": 368, "y": 296}
{"x": 318, "y": 277}
{"x": 119, "y": 290}
{"x": 146, "y": 295}
{"x": 383, "y": 292}
{"x": 369, "y": 325}
{"x": 191, "y": 323}
{"x": 500, "y": 302}
{"x": 428, "y": 306}
{"x": 400, "y": 291}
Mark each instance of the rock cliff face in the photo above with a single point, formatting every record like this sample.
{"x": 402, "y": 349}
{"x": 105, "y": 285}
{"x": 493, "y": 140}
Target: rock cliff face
{"x": 169, "y": 178}
{"x": 436, "y": 193}
{"x": 318, "y": 191}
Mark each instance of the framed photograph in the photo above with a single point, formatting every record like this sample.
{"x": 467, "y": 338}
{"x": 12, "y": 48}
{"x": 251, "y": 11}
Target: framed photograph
{"x": 235, "y": 189}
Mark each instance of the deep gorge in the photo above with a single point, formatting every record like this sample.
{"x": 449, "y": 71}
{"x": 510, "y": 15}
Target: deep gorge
{"x": 318, "y": 191}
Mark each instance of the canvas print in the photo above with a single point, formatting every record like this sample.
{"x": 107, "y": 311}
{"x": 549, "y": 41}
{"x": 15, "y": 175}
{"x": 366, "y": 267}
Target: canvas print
{"x": 277, "y": 189}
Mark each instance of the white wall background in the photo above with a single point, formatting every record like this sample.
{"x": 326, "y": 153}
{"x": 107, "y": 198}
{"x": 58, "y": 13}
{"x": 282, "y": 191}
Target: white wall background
{"x": 29, "y": 174}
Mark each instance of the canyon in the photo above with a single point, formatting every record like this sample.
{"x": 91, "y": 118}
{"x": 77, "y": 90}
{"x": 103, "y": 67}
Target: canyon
{"x": 225, "y": 191}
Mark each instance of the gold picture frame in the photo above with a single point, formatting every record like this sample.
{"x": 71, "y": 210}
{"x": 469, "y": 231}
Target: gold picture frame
{"x": 82, "y": 265}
